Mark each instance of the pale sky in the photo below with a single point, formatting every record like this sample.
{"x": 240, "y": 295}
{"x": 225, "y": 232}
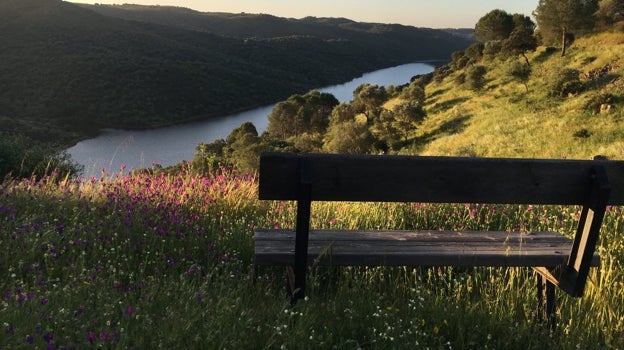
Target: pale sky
{"x": 419, "y": 13}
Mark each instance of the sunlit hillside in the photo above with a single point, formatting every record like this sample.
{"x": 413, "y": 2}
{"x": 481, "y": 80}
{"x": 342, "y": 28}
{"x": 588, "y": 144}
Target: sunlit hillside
{"x": 508, "y": 119}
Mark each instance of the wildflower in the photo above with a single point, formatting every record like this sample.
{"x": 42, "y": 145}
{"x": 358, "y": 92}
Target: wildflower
{"x": 104, "y": 336}
{"x": 48, "y": 337}
{"x": 90, "y": 337}
{"x": 30, "y": 339}
{"x": 44, "y": 301}
{"x": 79, "y": 311}
{"x": 130, "y": 310}
{"x": 436, "y": 330}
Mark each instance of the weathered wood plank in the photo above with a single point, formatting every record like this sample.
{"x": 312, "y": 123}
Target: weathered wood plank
{"x": 437, "y": 179}
{"x": 372, "y": 248}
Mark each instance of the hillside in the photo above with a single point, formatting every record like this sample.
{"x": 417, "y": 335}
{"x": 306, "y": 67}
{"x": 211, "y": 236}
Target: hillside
{"x": 559, "y": 107}
{"x": 508, "y": 119}
{"x": 399, "y": 41}
{"x": 67, "y": 71}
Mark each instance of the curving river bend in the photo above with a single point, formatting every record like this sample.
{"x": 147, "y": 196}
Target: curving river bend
{"x": 115, "y": 149}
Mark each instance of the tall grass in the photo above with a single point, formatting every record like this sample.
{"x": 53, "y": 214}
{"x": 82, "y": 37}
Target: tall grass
{"x": 159, "y": 261}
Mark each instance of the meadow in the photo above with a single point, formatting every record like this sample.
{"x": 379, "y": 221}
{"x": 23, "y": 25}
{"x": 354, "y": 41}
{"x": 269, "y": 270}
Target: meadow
{"x": 150, "y": 260}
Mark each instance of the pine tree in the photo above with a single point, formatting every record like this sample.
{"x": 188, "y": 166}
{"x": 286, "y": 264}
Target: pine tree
{"x": 560, "y": 18}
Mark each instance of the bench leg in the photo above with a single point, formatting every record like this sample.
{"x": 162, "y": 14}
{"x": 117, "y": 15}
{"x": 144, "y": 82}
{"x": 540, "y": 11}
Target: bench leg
{"x": 546, "y": 302}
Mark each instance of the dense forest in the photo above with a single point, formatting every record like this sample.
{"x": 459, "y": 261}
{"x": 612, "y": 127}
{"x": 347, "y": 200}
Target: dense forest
{"x": 66, "y": 71}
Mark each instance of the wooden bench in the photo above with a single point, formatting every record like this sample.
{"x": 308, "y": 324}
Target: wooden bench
{"x": 560, "y": 261}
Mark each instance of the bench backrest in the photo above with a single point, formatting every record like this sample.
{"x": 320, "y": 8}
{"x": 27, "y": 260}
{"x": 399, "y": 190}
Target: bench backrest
{"x": 593, "y": 184}
{"x": 435, "y": 179}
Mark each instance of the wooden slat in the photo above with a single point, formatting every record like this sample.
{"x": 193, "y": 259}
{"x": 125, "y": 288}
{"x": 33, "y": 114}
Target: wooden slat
{"x": 427, "y": 248}
{"x": 437, "y": 179}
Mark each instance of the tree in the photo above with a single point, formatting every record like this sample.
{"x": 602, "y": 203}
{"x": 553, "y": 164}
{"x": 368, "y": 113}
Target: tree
{"x": 407, "y": 116}
{"x": 523, "y": 22}
{"x": 414, "y": 92}
{"x": 610, "y": 12}
{"x": 317, "y": 107}
{"x": 342, "y": 113}
{"x": 495, "y": 25}
{"x": 348, "y": 137}
{"x": 475, "y": 77}
{"x": 372, "y": 96}
{"x": 209, "y": 156}
{"x": 300, "y": 114}
{"x": 519, "y": 42}
{"x": 557, "y": 18}
{"x": 385, "y": 128}
{"x": 519, "y": 72}
{"x": 474, "y": 52}
{"x": 244, "y": 147}
{"x": 282, "y": 119}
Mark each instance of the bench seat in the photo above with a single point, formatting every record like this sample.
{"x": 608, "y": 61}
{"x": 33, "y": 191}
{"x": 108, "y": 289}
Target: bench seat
{"x": 416, "y": 248}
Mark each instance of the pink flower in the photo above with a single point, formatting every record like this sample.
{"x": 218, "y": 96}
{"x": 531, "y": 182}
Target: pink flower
{"x": 130, "y": 310}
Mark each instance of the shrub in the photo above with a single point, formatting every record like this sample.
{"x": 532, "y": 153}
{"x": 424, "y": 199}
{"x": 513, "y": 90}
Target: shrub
{"x": 21, "y": 157}
{"x": 492, "y": 49}
{"x": 475, "y": 77}
{"x": 564, "y": 82}
{"x": 441, "y": 72}
{"x": 460, "y": 79}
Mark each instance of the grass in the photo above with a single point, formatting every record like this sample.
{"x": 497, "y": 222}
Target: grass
{"x": 165, "y": 261}
{"x": 504, "y": 120}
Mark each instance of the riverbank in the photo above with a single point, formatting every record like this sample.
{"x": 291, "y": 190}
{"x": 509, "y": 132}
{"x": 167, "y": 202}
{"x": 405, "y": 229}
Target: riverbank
{"x": 168, "y": 146}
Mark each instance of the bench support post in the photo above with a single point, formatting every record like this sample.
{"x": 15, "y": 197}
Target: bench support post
{"x": 574, "y": 275}
{"x": 302, "y": 231}
{"x": 546, "y": 309}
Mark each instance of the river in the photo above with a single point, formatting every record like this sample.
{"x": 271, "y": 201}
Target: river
{"x": 132, "y": 149}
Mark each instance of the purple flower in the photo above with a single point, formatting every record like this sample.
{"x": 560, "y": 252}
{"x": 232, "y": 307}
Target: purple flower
{"x": 79, "y": 311}
{"x": 130, "y": 310}
{"x": 44, "y": 301}
{"x": 30, "y": 339}
{"x": 91, "y": 337}
{"x": 48, "y": 337}
{"x": 104, "y": 336}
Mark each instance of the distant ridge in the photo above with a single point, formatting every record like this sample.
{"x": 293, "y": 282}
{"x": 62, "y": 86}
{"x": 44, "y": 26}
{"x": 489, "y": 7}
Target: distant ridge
{"x": 68, "y": 70}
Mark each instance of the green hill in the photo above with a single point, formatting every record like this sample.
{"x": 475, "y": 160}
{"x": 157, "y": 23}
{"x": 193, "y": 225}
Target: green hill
{"x": 67, "y": 71}
{"x": 508, "y": 119}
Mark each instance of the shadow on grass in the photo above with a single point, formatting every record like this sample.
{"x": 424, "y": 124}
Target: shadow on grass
{"x": 437, "y": 93}
{"x": 442, "y": 106}
{"x": 544, "y": 55}
{"x": 450, "y": 127}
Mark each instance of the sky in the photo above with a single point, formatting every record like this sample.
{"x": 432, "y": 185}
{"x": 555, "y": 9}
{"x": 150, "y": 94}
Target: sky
{"x": 419, "y": 13}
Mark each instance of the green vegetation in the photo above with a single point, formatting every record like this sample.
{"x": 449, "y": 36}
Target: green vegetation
{"x": 164, "y": 259}
{"x": 153, "y": 260}
{"x": 506, "y": 103}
